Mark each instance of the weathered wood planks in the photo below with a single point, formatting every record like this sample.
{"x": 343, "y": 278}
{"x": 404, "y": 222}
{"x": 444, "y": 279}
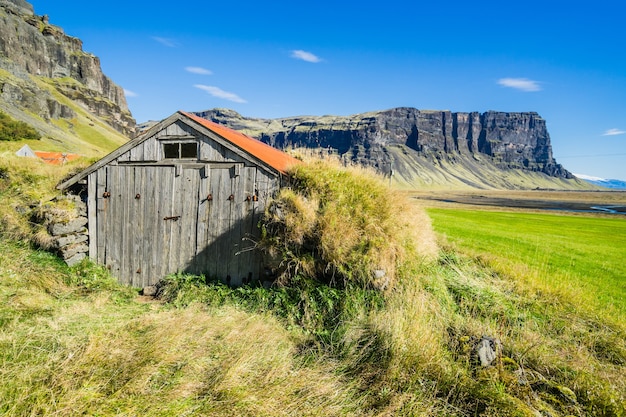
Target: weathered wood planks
{"x": 150, "y": 216}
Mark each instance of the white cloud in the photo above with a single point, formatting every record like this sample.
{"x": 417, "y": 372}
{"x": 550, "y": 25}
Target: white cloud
{"x": 305, "y": 56}
{"x": 522, "y": 84}
{"x": 170, "y": 43}
{"x": 613, "y": 132}
{"x": 198, "y": 70}
{"x": 219, "y": 93}
{"x": 129, "y": 93}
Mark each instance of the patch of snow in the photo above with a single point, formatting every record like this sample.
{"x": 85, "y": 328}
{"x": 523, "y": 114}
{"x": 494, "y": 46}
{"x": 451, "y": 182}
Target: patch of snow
{"x": 588, "y": 177}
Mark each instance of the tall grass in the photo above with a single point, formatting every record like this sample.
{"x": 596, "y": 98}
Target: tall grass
{"x": 73, "y": 342}
{"x": 343, "y": 226}
{"x": 83, "y": 349}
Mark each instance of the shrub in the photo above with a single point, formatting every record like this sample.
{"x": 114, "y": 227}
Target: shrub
{"x": 14, "y": 130}
{"x": 316, "y": 308}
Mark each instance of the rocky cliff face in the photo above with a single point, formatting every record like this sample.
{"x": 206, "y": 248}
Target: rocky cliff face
{"x": 384, "y": 139}
{"x": 32, "y": 49}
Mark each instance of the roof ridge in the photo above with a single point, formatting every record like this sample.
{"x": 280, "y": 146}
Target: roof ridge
{"x": 272, "y": 156}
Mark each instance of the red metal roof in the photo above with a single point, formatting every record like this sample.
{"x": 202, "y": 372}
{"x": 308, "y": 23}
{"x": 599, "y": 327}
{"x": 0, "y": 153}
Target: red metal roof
{"x": 56, "y": 158}
{"x": 273, "y": 157}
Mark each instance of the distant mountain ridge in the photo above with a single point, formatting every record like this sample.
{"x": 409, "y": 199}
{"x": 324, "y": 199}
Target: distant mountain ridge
{"x": 613, "y": 184}
{"x": 424, "y": 147}
{"x": 46, "y": 80}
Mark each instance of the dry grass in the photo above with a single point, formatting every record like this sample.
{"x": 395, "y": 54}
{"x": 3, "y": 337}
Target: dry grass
{"x": 100, "y": 355}
{"x": 26, "y": 185}
{"x": 63, "y": 353}
{"x": 344, "y": 224}
{"x": 217, "y": 362}
{"x": 72, "y": 342}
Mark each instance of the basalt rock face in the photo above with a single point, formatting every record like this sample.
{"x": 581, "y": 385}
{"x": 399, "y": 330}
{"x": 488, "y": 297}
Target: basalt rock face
{"x": 505, "y": 140}
{"x": 32, "y": 49}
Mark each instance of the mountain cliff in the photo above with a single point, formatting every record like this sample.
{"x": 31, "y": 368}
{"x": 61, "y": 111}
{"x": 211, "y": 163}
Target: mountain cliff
{"x": 46, "y": 80}
{"x": 49, "y": 82}
{"x": 479, "y": 150}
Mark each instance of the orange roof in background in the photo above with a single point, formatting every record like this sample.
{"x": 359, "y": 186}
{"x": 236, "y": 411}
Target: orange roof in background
{"x": 266, "y": 153}
{"x": 56, "y": 158}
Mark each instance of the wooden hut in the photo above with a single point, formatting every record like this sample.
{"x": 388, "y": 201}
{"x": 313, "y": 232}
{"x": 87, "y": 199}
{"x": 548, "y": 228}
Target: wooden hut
{"x": 185, "y": 196}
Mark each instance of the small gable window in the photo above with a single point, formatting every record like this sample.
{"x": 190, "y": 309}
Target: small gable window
{"x": 180, "y": 150}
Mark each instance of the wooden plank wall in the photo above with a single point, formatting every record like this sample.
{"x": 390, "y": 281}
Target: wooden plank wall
{"x": 129, "y": 233}
{"x": 161, "y": 219}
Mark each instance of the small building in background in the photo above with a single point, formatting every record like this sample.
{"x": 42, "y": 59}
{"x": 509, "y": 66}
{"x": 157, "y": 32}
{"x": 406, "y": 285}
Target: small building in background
{"x": 52, "y": 158}
{"x": 56, "y": 158}
{"x": 26, "y": 151}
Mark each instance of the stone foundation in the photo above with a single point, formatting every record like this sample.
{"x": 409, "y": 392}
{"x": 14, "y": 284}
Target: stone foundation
{"x": 70, "y": 238}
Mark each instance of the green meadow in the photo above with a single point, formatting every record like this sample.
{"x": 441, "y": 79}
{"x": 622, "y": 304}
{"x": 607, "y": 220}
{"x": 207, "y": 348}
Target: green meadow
{"x": 579, "y": 259}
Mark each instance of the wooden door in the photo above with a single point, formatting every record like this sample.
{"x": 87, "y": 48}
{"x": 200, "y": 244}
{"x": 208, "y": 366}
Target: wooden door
{"x": 146, "y": 224}
{"x": 227, "y": 225}
{"x": 158, "y": 220}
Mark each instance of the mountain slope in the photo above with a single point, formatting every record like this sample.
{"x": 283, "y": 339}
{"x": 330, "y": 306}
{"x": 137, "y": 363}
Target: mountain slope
{"x": 49, "y": 82}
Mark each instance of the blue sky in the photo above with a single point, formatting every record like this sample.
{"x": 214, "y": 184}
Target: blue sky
{"x": 565, "y": 60}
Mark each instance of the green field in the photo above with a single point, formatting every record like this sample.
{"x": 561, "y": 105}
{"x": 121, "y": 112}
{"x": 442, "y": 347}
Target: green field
{"x": 579, "y": 259}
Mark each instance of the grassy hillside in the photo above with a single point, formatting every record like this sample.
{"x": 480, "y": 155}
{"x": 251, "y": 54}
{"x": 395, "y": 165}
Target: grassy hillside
{"x": 417, "y": 172}
{"x": 27, "y": 185}
{"x": 73, "y": 342}
{"x": 83, "y": 134}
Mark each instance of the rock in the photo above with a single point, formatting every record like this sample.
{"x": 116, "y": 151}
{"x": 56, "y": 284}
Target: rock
{"x": 73, "y": 226}
{"x": 75, "y": 259}
{"x": 149, "y": 291}
{"x": 32, "y": 47}
{"x": 388, "y": 140}
{"x": 19, "y": 6}
{"x": 69, "y": 251}
{"x": 380, "y": 279}
{"x": 62, "y": 241}
{"x": 487, "y": 350}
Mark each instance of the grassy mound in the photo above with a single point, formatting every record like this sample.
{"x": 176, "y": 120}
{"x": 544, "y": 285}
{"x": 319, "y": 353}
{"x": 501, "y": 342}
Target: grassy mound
{"x": 343, "y": 226}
